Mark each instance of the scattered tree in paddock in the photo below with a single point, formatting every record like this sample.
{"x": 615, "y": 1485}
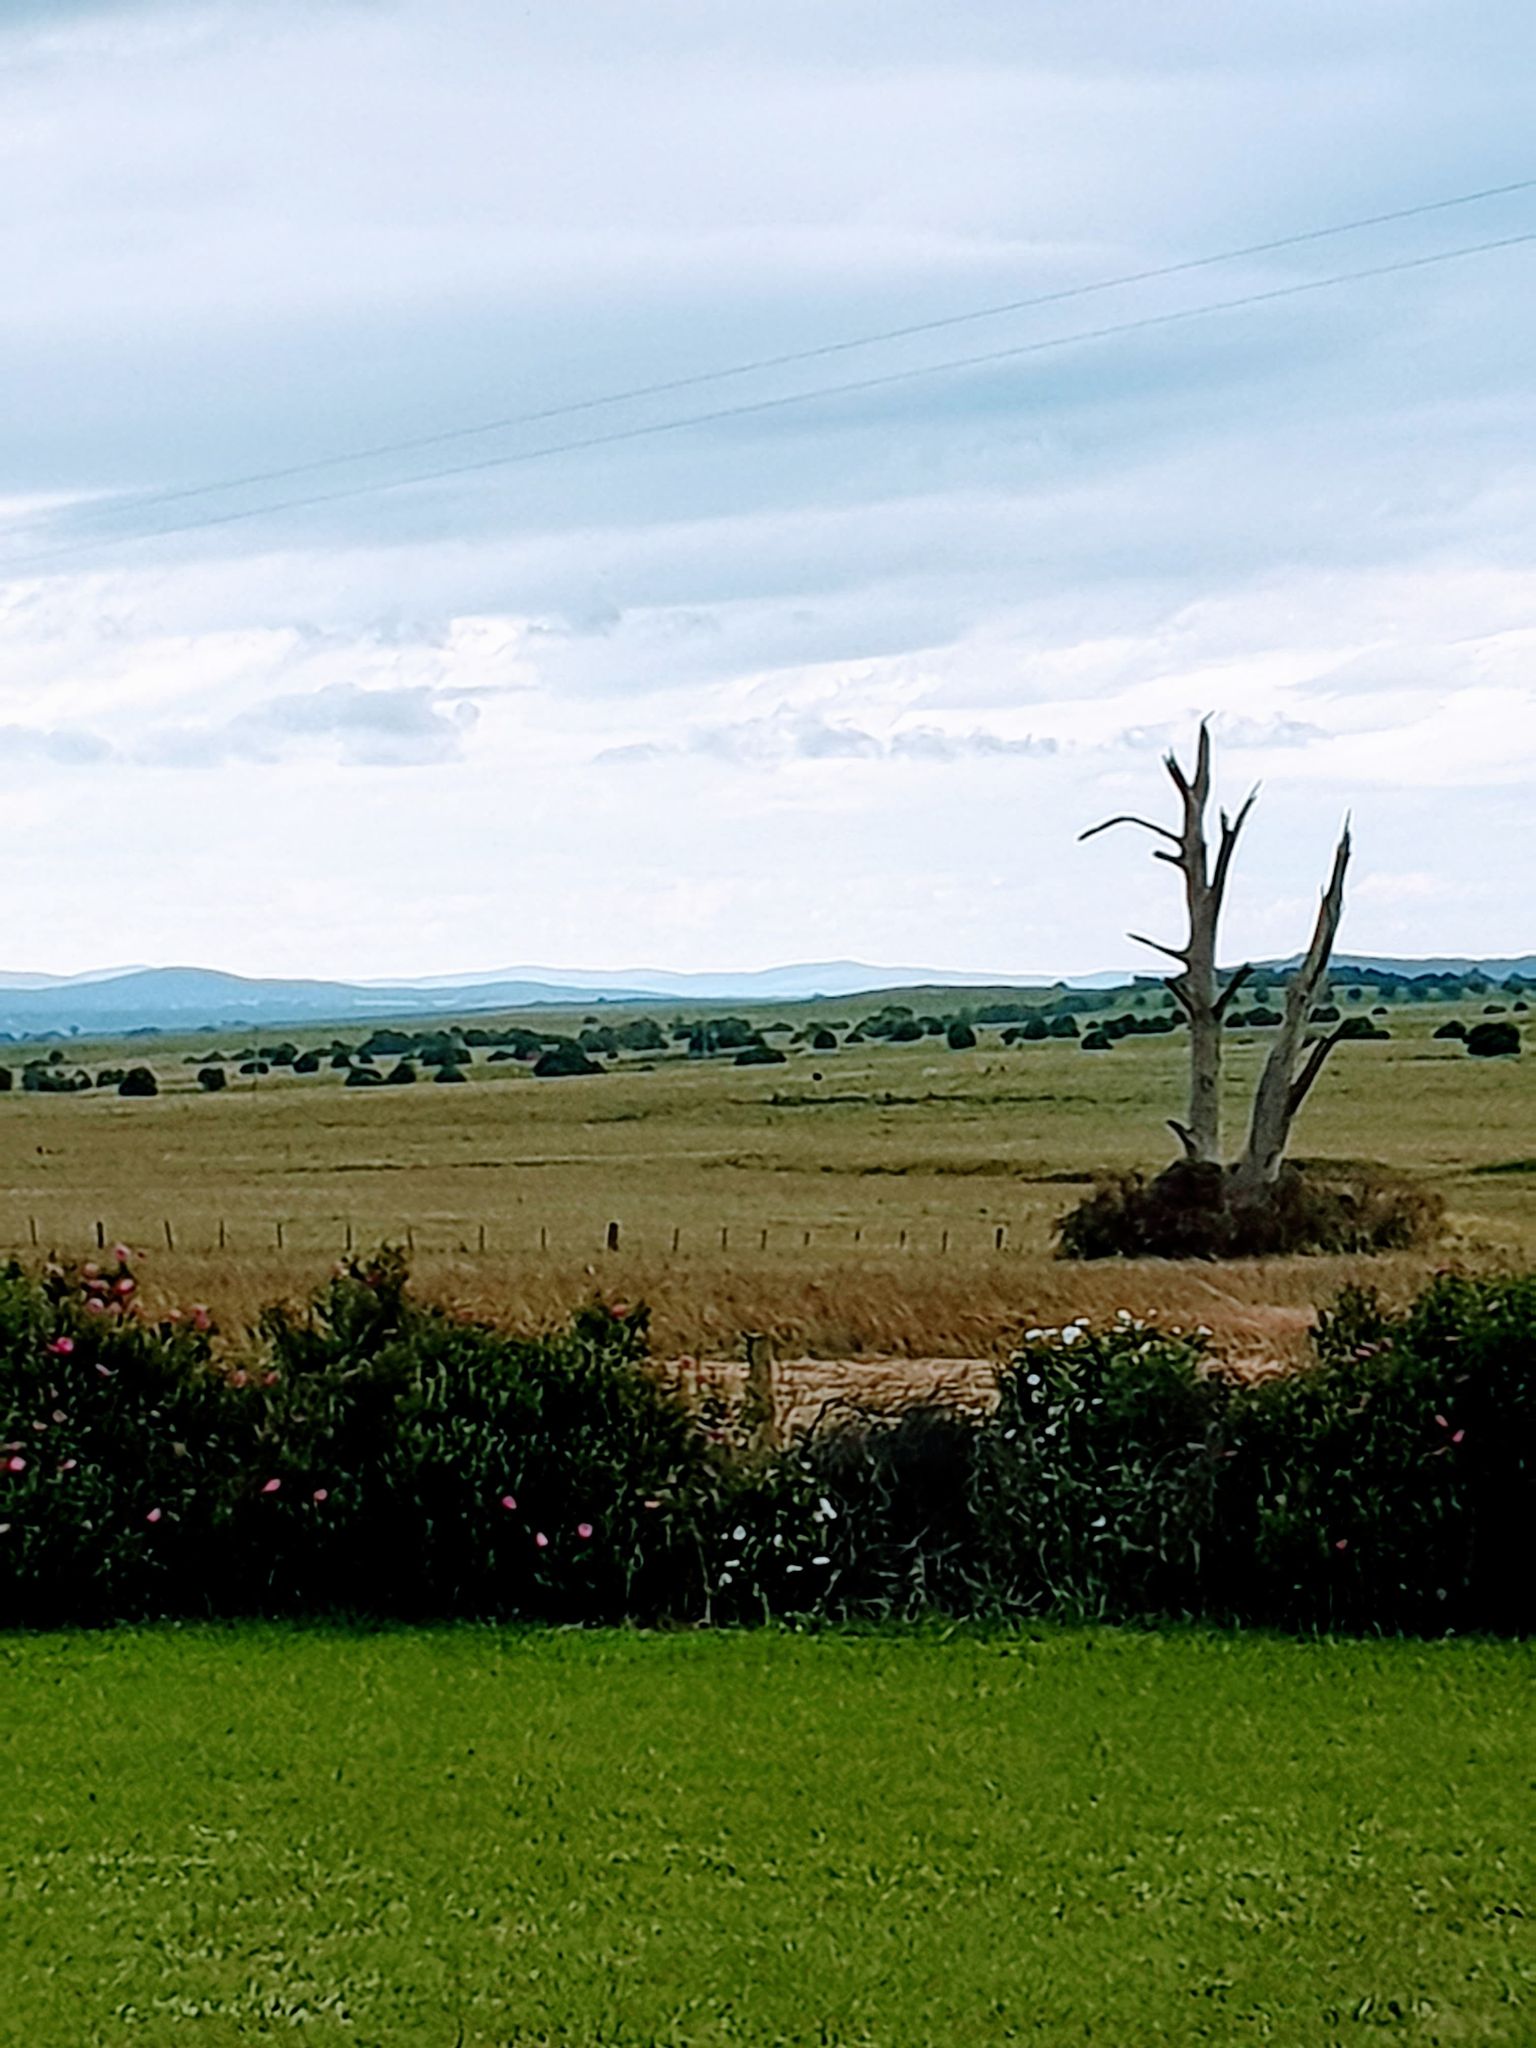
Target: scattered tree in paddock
{"x": 211, "y": 1079}
{"x": 761, "y": 1056}
{"x": 822, "y": 1040}
{"x": 138, "y": 1081}
{"x": 363, "y": 1077}
{"x": 1451, "y": 1028}
{"x": 1493, "y": 1041}
{"x": 401, "y": 1075}
{"x": 960, "y": 1037}
{"x": 563, "y": 1061}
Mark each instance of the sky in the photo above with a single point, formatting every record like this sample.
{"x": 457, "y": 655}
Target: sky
{"x": 586, "y": 679}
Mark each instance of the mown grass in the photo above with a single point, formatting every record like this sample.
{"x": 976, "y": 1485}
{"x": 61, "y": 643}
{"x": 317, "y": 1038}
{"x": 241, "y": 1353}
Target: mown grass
{"x": 859, "y": 1211}
{"x": 618, "y": 1840}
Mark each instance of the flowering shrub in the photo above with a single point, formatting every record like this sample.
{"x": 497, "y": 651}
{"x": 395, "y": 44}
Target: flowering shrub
{"x": 372, "y": 1454}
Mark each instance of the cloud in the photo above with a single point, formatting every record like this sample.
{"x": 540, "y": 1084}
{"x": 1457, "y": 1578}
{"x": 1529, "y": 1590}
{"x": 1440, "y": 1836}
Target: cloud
{"x": 63, "y": 747}
{"x": 785, "y": 736}
{"x": 409, "y": 727}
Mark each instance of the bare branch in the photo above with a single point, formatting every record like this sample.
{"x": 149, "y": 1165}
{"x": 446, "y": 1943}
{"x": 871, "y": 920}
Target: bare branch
{"x": 1230, "y": 828}
{"x": 1316, "y": 1054}
{"x": 1223, "y": 1001}
{"x": 1125, "y": 818}
{"x": 1185, "y": 1137}
{"x": 1171, "y": 952}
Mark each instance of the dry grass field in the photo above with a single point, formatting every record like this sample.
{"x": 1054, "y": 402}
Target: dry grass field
{"x": 850, "y": 1202}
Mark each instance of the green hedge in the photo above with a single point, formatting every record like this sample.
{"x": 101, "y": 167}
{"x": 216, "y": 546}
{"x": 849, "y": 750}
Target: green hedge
{"x": 371, "y": 1454}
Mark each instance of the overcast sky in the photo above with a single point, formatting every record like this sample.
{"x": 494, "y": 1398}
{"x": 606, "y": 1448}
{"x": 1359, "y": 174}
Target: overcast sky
{"x": 835, "y": 678}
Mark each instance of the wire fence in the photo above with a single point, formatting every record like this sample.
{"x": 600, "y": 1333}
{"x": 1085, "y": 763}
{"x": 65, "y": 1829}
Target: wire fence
{"x": 500, "y": 1237}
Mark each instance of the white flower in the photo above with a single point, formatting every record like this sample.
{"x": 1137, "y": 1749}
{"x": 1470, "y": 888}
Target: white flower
{"x": 821, "y": 1560}
{"x": 1031, "y": 1379}
{"x": 1009, "y": 1435}
{"x": 1100, "y": 1522}
{"x": 725, "y": 1578}
{"x": 738, "y": 1534}
{"x": 1071, "y": 1334}
{"x": 792, "y": 1567}
{"x": 828, "y": 1512}
{"x": 1033, "y": 1336}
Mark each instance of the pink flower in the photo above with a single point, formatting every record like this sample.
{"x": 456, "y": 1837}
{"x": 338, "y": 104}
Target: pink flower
{"x": 583, "y": 1530}
{"x": 90, "y": 1271}
{"x": 15, "y": 1464}
{"x": 96, "y": 1307}
{"x": 1342, "y": 1544}
{"x": 509, "y": 1503}
{"x": 1441, "y": 1423}
{"x": 124, "y": 1287}
{"x": 1457, "y": 1435}
{"x": 69, "y": 1464}
{"x": 320, "y": 1494}
{"x": 238, "y": 1377}
{"x": 62, "y": 1346}
{"x": 269, "y": 1379}
{"x": 541, "y": 1540}
{"x": 272, "y": 1485}
{"x": 201, "y": 1320}
{"x": 121, "y": 1253}
{"x": 153, "y": 1515}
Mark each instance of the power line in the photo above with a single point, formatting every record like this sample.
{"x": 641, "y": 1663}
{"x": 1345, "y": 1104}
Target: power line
{"x": 758, "y": 407}
{"x": 178, "y": 494}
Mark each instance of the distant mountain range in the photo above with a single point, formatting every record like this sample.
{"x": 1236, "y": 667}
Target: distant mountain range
{"x": 110, "y": 1001}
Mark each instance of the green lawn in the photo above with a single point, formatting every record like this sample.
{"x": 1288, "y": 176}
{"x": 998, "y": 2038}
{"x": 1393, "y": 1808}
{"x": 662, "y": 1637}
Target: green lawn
{"x": 472, "y": 1836}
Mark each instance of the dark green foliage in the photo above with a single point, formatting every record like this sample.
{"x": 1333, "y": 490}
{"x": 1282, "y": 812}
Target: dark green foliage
{"x": 1063, "y": 1026}
{"x": 905, "y": 1031}
{"x": 563, "y": 1060}
{"x": 960, "y": 1037}
{"x": 1034, "y": 1030}
{"x": 371, "y": 1454}
{"x": 368, "y": 1453}
{"x": 448, "y": 1072}
{"x": 7, "y": 1080}
{"x": 1198, "y": 1211}
{"x": 138, "y": 1081}
{"x": 1361, "y": 1027}
{"x": 1324, "y": 1013}
{"x": 823, "y": 1040}
{"x": 1095, "y": 1041}
{"x": 760, "y": 1056}
{"x": 254, "y": 1067}
{"x": 364, "y": 1077}
{"x": 1452, "y": 1028}
{"x": 307, "y": 1063}
{"x": 1493, "y": 1041}
{"x": 211, "y": 1079}
{"x": 401, "y": 1075}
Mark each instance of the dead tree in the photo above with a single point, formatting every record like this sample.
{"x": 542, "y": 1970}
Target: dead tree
{"x": 1293, "y": 1064}
{"x": 1288, "y": 1075}
{"x": 1195, "y": 987}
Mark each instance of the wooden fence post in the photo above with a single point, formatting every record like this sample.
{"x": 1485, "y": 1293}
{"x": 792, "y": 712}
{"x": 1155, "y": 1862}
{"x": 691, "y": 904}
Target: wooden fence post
{"x": 761, "y": 1405}
{"x": 170, "y": 1240}
{"x": 101, "y": 1237}
{"x": 482, "y": 1237}
{"x": 611, "y": 1241}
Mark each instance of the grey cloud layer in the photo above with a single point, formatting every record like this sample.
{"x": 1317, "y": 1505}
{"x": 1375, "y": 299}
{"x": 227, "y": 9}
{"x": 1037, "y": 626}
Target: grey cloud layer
{"x": 1317, "y": 519}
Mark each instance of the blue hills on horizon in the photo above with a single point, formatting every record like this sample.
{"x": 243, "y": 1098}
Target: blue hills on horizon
{"x": 108, "y": 1002}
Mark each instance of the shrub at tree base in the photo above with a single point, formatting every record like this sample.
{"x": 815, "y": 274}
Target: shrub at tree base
{"x": 1195, "y": 1210}
{"x": 370, "y": 1455}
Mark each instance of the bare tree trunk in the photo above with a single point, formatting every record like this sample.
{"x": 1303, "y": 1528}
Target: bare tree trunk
{"x": 1282, "y": 1089}
{"x": 1194, "y": 987}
